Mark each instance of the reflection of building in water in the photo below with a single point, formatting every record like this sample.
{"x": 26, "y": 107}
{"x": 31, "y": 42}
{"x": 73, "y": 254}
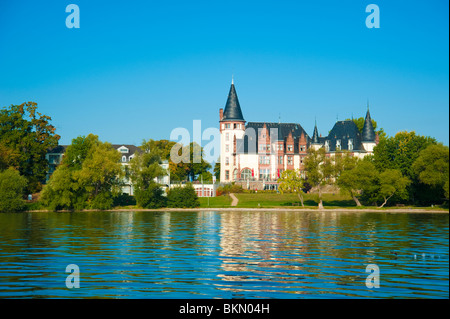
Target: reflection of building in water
{"x": 262, "y": 245}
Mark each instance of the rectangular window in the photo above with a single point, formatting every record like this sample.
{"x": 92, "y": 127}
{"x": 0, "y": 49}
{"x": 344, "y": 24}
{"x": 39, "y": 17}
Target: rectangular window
{"x": 264, "y": 173}
{"x": 227, "y": 148}
{"x": 280, "y": 160}
{"x": 264, "y": 160}
{"x": 327, "y": 146}
{"x": 350, "y": 144}
{"x": 289, "y": 148}
{"x": 227, "y": 137}
{"x": 227, "y": 160}
{"x": 227, "y": 174}
{"x": 289, "y": 160}
{"x": 338, "y": 145}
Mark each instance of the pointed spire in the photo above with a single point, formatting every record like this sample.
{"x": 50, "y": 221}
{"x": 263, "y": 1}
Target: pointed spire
{"x": 232, "y": 111}
{"x": 368, "y": 132}
{"x": 315, "y": 137}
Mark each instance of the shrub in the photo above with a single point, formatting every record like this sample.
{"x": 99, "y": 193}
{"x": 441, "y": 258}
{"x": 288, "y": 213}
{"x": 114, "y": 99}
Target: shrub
{"x": 229, "y": 188}
{"x": 124, "y": 200}
{"x": 12, "y": 186}
{"x": 151, "y": 197}
{"x": 102, "y": 201}
{"x": 182, "y": 197}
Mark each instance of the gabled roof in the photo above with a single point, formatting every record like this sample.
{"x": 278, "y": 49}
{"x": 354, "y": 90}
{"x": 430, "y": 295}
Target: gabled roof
{"x": 249, "y": 143}
{"x": 343, "y": 131}
{"x": 232, "y": 111}
{"x": 131, "y": 148}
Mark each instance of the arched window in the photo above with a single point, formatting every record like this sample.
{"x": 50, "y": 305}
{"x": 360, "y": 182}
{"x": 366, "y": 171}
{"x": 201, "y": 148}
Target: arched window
{"x": 246, "y": 173}
{"x": 124, "y": 159}
{"x": 235, "y": 173}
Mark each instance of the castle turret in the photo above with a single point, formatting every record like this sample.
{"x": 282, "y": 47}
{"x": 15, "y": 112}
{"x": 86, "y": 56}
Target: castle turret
{"x": 232, "y": 127}
{"x": 368, "y": 136}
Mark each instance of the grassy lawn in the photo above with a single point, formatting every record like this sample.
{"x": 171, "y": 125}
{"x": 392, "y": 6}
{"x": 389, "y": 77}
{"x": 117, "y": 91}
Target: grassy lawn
{"x": 247, "y": 200}
{"x": 292, "y": 200}
{"x": 268, "y": 200}
{"x": 219, "y": 201}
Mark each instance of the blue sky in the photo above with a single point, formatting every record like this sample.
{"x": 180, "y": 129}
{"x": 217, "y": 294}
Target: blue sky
{"x": 136, "y": 70}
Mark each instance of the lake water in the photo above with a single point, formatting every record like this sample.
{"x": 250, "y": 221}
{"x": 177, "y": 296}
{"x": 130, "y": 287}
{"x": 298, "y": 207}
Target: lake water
{"x": 224, "y": 254}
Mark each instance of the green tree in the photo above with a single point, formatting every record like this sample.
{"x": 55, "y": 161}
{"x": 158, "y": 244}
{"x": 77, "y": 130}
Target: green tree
{"x": 217, "y": 169}
{"x": 392, "y": 182}
{"x": 291, "y": 181}
{"x": 8, "y": 157}
{"x": 12, "y": 186}
{"x": 63, "y": 191}
{"x": 100, "y": 175}
{"x": 189, "y": 165}
{"x": 319, "y": 169}
{"x": 144, "y": 168}
{"x": 400, "y": 152}
{"x": 77, "y": 152}
{"x": 29, "y": 135}
{"x": 362, "y": 177}
{"x": 179, "y": 197}
{"x": 161, "y": 148}
{"x": 342, "y": 161}
{"x": 88, "y": 177}
{"x": 432, "y": 168}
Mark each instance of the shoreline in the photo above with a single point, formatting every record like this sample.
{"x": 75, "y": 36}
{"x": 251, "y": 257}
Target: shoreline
{"x": 224, "y": 209}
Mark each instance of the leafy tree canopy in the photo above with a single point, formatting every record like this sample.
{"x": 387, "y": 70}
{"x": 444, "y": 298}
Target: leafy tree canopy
{"x": 27, "y": 134}
{"x": 12, "y": 186}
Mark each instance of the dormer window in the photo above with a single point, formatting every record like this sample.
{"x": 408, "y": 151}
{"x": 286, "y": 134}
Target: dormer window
{"x": 123, "y": 150}
{"x": 327, "y": 145}
{"x": 350, "y": 144}
{"x": 289, "y": 148}
{"x": 338, "y": 145}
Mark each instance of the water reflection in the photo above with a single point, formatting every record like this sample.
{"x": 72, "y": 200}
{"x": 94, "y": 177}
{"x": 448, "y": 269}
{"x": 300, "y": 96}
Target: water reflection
{"x": 224, "y": 254}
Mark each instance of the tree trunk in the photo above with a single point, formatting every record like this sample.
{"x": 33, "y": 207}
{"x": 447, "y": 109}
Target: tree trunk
{"x": 301, "y": 199}
{"x": 320, "y": 199}
{"x": 385, "y": 201}
{"x": 320, "y": 203}
{"x": 356, "y": 200}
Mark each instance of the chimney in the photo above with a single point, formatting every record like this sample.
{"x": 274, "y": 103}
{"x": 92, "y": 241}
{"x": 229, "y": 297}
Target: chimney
{"x": 221, "y": 114}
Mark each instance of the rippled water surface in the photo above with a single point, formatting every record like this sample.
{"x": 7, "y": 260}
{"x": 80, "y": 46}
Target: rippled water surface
{"x": 224, "y": 254}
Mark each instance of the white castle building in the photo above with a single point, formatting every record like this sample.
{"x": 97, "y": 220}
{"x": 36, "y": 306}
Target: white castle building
{"x": 258, "y": 152}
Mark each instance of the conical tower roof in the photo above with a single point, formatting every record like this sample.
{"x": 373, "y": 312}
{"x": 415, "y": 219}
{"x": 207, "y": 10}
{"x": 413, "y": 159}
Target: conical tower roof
{"x": 232, "y": 110}
{"x": 368, "y": 132}
{"x": 315, "y": 137}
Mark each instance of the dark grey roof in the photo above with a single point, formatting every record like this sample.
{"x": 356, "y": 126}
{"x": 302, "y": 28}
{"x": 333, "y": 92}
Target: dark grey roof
{"x": 249, "y": 144}
{"x": 283, "y": 129}
{"x": 315, "y": 138}
{"x": 60, "y": 149}
{"x": 232, "y": 111}
{"x": 343, "y": 131}
{"x": 368, "y": 133}
{"x": 132, "y": 148}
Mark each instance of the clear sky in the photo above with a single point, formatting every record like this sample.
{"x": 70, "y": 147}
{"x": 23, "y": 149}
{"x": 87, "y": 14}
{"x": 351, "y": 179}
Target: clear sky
{"x": 136, "y": 70}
